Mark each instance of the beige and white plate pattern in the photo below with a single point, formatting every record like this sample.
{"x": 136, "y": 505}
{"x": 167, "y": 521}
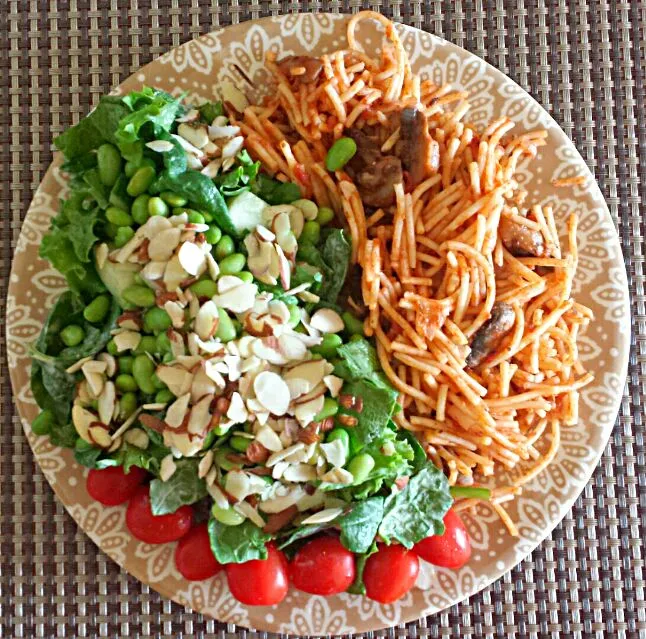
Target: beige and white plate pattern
{"x": 200, "y": 67}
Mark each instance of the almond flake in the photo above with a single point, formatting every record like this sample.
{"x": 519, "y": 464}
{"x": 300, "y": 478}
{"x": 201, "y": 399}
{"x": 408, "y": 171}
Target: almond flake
{"x": 138, "y": 438}
{"x": 175, "y": 312}
{"x": 174, "y": 274}
{"x": 177, "y": 379}
{"x": 95, "y": 383}
{"x": 167, "y": 468}
{"x": 177, "y": 346}
{"x": 184, "y": 444}
{"x": 218, "y": 495}
{"x": 124, "y": 253}
{"x": 212, "y": 266}
{"x": 323, "y": 516}
{"x": 82, "y": 418}
{"x": 191, "y": 342}
{"x": 126, "y": 340}
{"x": 239, "y": 299}
{"x": 189, "y": 147}
{"x": 211, "y": 346}
{"x": 195, "y": 135}
{"x": 191, "y": 115}
{"x": 205, "y": 464}
{"x": 228, "y": 282}
{"x": 269, "y": 439}
{"x": 163, "y": 245}
{"x": 202, "y": 385}
{"x": 212, "y": 372}
{"x": 218, "y": 132}
{"x": 296, "y": 220}
{"x": 189, "y": 362}
{"x": 237, "y": 411}
{"x": 179, "y": 221}
{"x": 106, "y": 402}
{"x": 94, "y": 366}
{"x": 232, "y": 147}
{"x": 160, "y": 146}
{"x": 246, "y": 509}
{"x": 101, "y": 254}
{"x": 237, "y": 484}
{"x": 306, "y": 412}
{"x": 266, "y": 348}
{"x": 327, "y": 320}
{"x": 176, "y": 412}
{"x": 311, "y": 373}
{"x": 279, "y": 469}
{"x": 100, "y": 436}
{"x": 110, "y": 363}
{"x": 264, "y": 233}
{"x": 233, "y": 363}
{"x": 283, "y": 454}
{"x": 212, "y": 168}
{"x": 334, "y": 384}
{"x": 307, "y": 296}
{"x": 334, "y": 452}
{"x": 200, "y": 416}
{"x": 191, "y": 258}
{"x": 338, "y": 476}
{"x": 272, "y": 392}
{"x": 207, "y": 320}
{"x": 291, "y": 347}
{"x": 154, "y": 406}
{"x": 279, "y": 504}
{"x": 299, "y": 472}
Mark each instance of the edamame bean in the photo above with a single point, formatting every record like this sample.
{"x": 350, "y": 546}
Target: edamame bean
{"x": 139, "y": 295}
{"x": 330, "y": 408}
{"x": 141, "y": 181}
{"x": 327, "y": 348}
{"x": 232, "y": 264}
{"x": 43, "y": 423}
{"x": 111, "y": 230}
{"x": 168, "y": 357}
{"x": 123, "y": 236}
{"x": 227, "y": 516}
{"x": 239, "y": 443}
{"x": 204, "y": 288}
{"x": 360, "y": 467}
{"x": 356, "y": 337}
{"x": 213, "y": 235}
{"x": 118, "y": 217}
{"x": 223, "y": 248}
{"x": 309, "y": 208}
{"x": 108, "y": 162}
{"x": 325, "y": 215}
{"x": 143, "y": 370}
{"x": 162, "y": 343}
{"x": 172, "y": 199}
{"x": 111, "y": 347}
{"x": 139, "y": 208}
{"x": 294, "y": 315}
{"x": 245, "y": 276}
{"x": 147, "y": 344}
{"x": 97, "y": 309}
{"x": 353, "y": 325}
{"x": 130, "y": 168}
{"x": 194, "y": 217}
{"x": 311, "y": 233}
{"x": 127, "y": 405}
{"x": 226, "y": 330}
{"x": 157, "y": 206}
{"x": 156, "y": 320}
{"x": 222, "y": 461}
{"x": 164, "y": 396}
{"x": 125, "y": 364}
{"x": 342, "y": 435}
{"x": 341, "y": 152}
{"x": 125, "y": 383}
{"x": 157, "y": 383}
{"x": 72, "y": 335}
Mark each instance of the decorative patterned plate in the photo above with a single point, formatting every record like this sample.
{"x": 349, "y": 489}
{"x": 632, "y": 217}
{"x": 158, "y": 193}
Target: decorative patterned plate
{"x": 200, "y": 67}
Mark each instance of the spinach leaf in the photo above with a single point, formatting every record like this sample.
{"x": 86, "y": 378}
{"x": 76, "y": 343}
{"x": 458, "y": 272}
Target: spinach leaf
{"x": 175, "y": 160}
{"x": 296, "y": 539}
{"x": 183, "y": 487}
{"x": 359, "y": 527}
{"x": 239, "y": 179}
{"x": 416, "y": 511}
{"x": 64, "y": 435}
{"x": 335, "y": 252}
{"x": 92, "y": 457}
{"x": 274, "y": 191}
{"x": 201, "y": 192}
{"x": 93, "y": 130}
{"x": 211, "y": 110}
{"x": 359, "y": 587}
{"x": 419, "y": 454}
{"x": 237, "y": 544}
{"x": 53, "y": 388}
{"x": 359, "y": 361}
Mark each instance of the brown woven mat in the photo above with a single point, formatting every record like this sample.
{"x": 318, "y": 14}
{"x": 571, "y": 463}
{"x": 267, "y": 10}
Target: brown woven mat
{"x": 583, "y": 60}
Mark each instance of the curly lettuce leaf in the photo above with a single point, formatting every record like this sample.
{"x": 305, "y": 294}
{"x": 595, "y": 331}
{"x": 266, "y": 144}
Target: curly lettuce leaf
{"x": 237, "y": 544}
{"x": 359, "y": 527}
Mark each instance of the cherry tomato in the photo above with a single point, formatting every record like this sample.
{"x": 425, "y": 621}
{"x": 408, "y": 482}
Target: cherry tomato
{"x": 194, "y": 557}
{"x": 390, "y": 573}
{"x": 450, "y": 550}
{"x": 111, "y": 486}
{"x": 260, "y": 582}
{"x": 323, "y": 566}
{"x": 156, "y": 529}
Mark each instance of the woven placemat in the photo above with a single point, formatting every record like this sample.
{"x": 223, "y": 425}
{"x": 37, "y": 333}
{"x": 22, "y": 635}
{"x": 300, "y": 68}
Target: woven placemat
{"x": 584, "y": 61}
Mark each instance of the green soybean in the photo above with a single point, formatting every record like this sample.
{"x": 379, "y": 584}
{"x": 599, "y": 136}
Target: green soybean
{"x": 311, "y": 233}
{"x": 226, "y": 329}
{"x": 245, "y": 276}
{"x": 227, "y": 516}
{"x": 143, "y": 370}
{"x": 139, "y": 208}
{"x": 125, "y": 383}
{"x": 294, "y": 315}
{"x": 340, "y": 153}
{"x": 168, "y": 357}
{"x": 223, "y": 248}
{"x": 330, "y": 408}
{"x": 125, "y": 364}
{"x": 213, "y": 235}
{"x": 360, "y": 467}
{"x": 97, "y": 309}
{"x": 111, "y": 230}
{"x": 123, "y": 236}
{"x": 139, "y": 296}
{"x": 325, "y": 215}
{"x": 204, "y": 288}
{"x": 157, "y": 206}
{"x": 232, "y": 264}
{"x": 162, "y": 343}
{"x": 327, "y": 348}
{"x": 222, "y": 461}
{"x": 108, "y": 162}
{"x": 157, "y": 383}
{"x": 141, "y": 181}
{"x": 239, "y": 443}
{"x": 164, "y": 396}
{"x": 194, "y": 217}
{"x": 173, "y": 199}
{"x": 127, "y": 404}
{"x": 147, "y": 344}
{"x": 118, "y": 217}
{"x": 111, "y": 347}
{"x": 342, "y": 435}
{"x": 156, "y": 320}
{"x": 353, "y": 325}
{"x": 356, "y": 337}
{"x": 43, "y": 423}
{"x": 309, "y": 208}
{"x": 72, "y": 335}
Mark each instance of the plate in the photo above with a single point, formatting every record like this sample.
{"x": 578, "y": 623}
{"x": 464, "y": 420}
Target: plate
{"x": 236, "y": 55}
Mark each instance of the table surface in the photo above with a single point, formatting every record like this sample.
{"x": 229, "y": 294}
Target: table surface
{"x": 582, "y": 60}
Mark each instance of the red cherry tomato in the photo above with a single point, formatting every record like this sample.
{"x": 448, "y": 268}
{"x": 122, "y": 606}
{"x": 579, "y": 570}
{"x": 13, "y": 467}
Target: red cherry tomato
{"x": 156, "y": 529}
{"x": 323, "y": 566}
{"x": 390, "y": 573}
{"x": 450, "y": 550}
{"x": 194, "y": 557}
{"x": 111, "y": 486}
{"x": 260, "y": 582}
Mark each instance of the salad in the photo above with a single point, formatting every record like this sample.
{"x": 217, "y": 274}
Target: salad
{"x": 203, "y": 366}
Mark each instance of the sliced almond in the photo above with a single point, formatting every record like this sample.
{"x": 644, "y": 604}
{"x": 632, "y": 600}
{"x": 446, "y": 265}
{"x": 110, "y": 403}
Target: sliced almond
{"x": 338, "y": 476}
{"x": 189, "y": 147}
{"x": 174, "y": 274}
{"x": 237, "y": 411}
{"x": 163, "y": 245}
{"x": 126, "y": 340}
{"x": 100, "y": 435}
{"x": 212, "y": 266}
{"x": 299, "y": 472}
{"x": 125, "y": 252}
{"x": 177, "y": 379}
{"x": 213, "y": 374}
{"x": 278, "y": 504}
{"x": 189, "y": 116}
{"x": 160, "y": 146}
{"x": 205, "y": 464}
{"x": 323, "y": 516}
{"x": 192, "y": 258}
{"x": 264, "y": 234}
{"x": 296, "y": 221}
{"x": 189, "y": 362}
{"x": 228, "y": 282}
{"x": 306, "y": 412}
{"x": 176, "y": 412}
{"x": 292, "y": 347}
{"x": 200, "y": 416}
{"x": 110, "y": 363}
{"x": 269, "y": 439}
{"x": 239, "y": 299}
{"x": 266, "y": 348}
{"x": 106, "y": 402}
{"x": 115, "y": 445}
{"x": 238, "y": 484}
{"x": 212, "y": 169}
{"x": 233, "y": 147}
{"x": 175, "y": 312}
{"x": 272, "y": 392}
{"x": 207, "y": 320}
{"x": 334, "y": 452}
{"x": 202, "y": 385}
{"x": 217, "y": 132}
{"x": 101, "y": 254}
{"x": 137, "y": 438}
{"x": 177, "y": 346}
{"x": 334, "y": 384}
{"x": 233, "y": 363}
{"x": 218, "y": 495}
{"x": 311, "y": 373}
{"x": 183, "y": 443}
{"x": 94, "y": 366}
{"x": 327, "y": 320}
{"x": 284, "y": 267}
{"x": 82, "y": 418}
{"x": 251, "y": 513}
{"x": 283, "y": 454}
{"x": 95, "y": 382}
{"x": 196, "y": 135}
{"x": 74, "y": 368}
{"x": 167, "y": 468}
